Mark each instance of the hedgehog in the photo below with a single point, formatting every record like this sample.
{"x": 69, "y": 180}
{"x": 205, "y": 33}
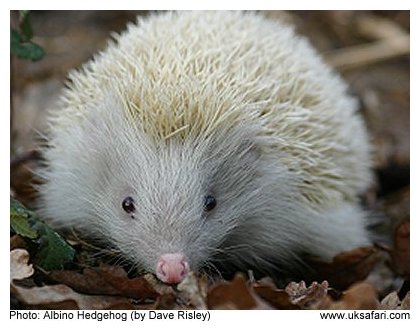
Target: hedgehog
{"x": 208, "y": 139}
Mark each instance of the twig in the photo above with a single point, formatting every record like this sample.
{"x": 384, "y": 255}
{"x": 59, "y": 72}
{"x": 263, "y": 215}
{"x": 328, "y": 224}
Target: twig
{"x": 361, "y": 55}
{"x": 378, "y": 28}
{"x": 390, "y": 41}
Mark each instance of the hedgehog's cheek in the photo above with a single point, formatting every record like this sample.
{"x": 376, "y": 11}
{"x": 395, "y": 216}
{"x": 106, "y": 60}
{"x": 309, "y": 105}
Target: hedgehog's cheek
{"x": 172, "y": 268}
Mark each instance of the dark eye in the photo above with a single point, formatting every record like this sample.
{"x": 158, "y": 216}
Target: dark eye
{"x": 209, "y": 202}
{"x": 128, "y": 205}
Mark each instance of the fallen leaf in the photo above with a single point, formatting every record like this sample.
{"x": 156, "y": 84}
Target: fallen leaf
{"x": 193, "y": 290}
{"x": 105, "y": 280}
{"x": 405, "y": 303}
{"x": 158, "y": 286}
{"x": 278, "y": 298}
{"x": 359, "y": 296}
{"x": 167, "y": 301}
{"x": 17, "y": 241}
{"x": 307, "y": 297}
{"x": 19, "y": 220}
{"x": 392, "y": 301}
{"x": 401, "y": 252}
{"x": 347, "y": 267}
{"x": 63, "y": 297}
{"x": 53, "y": 251}
{"x": 234, "y": 295}
{"x": 53, "y": 297}
{"x": 19, "y": 267}
{"x": 167, "y": 298}
{"x": 23, "y": 182}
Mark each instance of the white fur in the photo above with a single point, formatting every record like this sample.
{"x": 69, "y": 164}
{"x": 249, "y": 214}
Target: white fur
{"x": 186, "y": 104}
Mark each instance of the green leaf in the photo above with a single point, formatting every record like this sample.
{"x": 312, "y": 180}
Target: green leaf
{"x": 54, "y": 252}
{"x": 24, "y": 50}
{"x": 14, "y": 37}
{"x": 20, "y": 42}
{"x": 25, "y": 25}
{"x": 19, "y": 220}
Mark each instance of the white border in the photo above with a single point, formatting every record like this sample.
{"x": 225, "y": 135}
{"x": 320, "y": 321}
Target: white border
{"x": 213, "y": 4}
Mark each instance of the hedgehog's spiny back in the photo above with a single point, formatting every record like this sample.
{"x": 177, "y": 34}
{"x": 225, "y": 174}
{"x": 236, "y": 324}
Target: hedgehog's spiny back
{"x": 189, "y": 73}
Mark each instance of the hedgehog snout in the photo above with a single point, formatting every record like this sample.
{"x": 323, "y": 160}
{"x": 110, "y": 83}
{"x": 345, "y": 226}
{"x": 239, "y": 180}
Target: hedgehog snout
{"x": 172, "y": 268}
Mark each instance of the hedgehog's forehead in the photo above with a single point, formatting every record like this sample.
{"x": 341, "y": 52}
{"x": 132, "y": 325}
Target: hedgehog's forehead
{"x": 182, "y": 114}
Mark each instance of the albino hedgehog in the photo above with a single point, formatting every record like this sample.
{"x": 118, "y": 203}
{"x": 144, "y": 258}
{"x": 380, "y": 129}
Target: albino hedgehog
{"x": 203, "y": 138}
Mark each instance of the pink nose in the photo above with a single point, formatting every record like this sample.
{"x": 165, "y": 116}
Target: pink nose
{"x": 172, "y": 268}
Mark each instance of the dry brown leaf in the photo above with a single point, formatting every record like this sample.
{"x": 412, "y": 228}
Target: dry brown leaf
{"x": 307, "y": 297}
{"x": 22, "y": 183}
{"x": 392, "y": 301}
{"x": 405, "y": 303}
{"x": 234, "y": 295}
{"x": 401, "y": 252}
{"x": 167, "y": 301}
{"x": 17, "y": 241}
{"x": 359, "y": 296}
{"x": 278, "y": 298}
{"x": 63, "y": 297}
{"x": 158, "y": 286}
{"x": 348, "y": 267}
{"x": 231, "y": 295}
{"x": 295, "y": 290}
{"x": 19, "y": 268}
{"x": 193, "y": 290}
{"x": 105, "y": 280}
{"x": 167, "y": 298}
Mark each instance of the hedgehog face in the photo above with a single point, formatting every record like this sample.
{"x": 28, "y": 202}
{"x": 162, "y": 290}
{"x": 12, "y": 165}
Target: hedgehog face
{"x": 178, "y": 200}
{"x": 169, "y": 205}
{"x": 170, "y": 201}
